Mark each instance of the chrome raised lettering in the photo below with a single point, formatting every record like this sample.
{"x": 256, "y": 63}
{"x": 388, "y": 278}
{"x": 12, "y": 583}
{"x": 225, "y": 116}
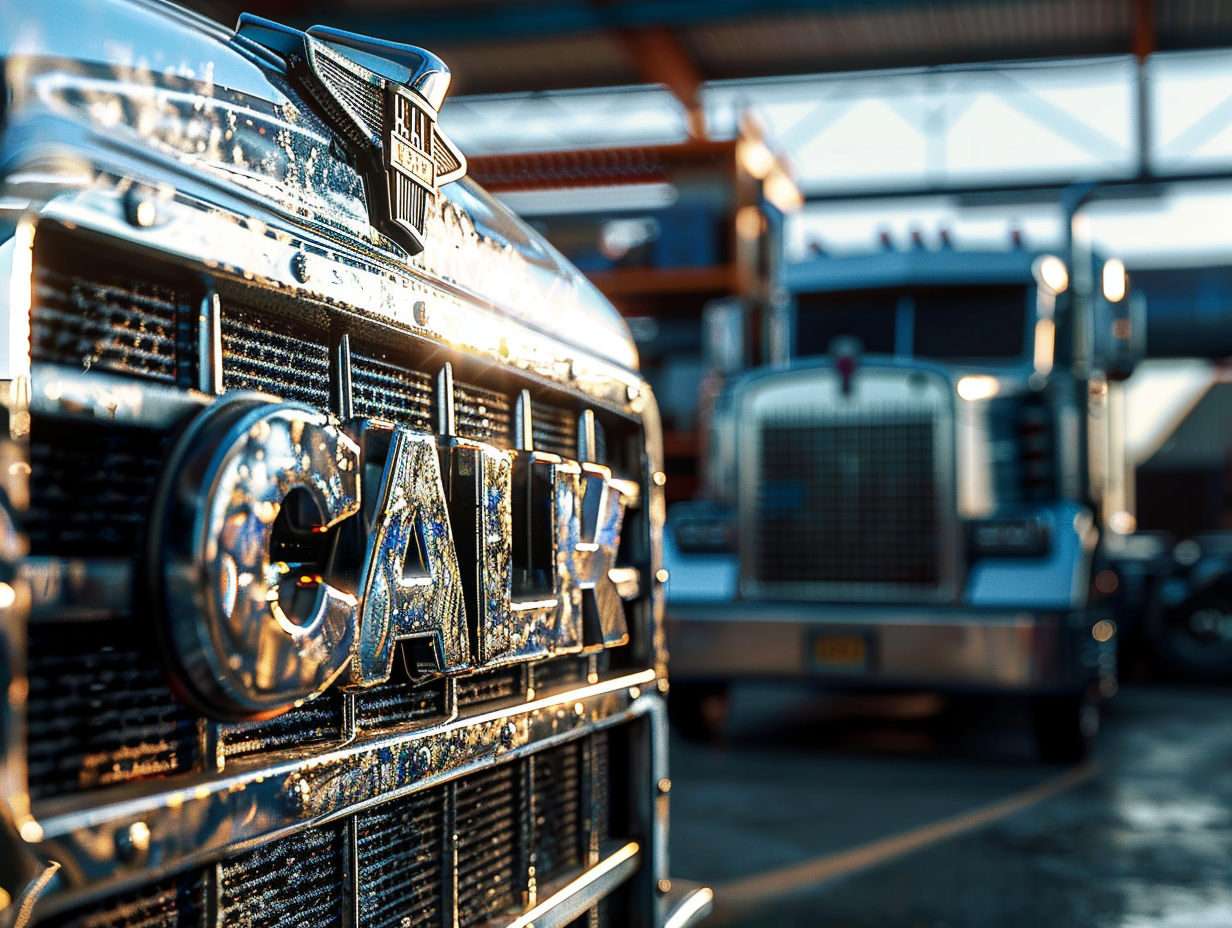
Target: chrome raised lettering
{"x": 412, "y": 585}
{"x": 286, "y": 547}
{"x": 242, "y": 541}
{"x": 601, "y": 504}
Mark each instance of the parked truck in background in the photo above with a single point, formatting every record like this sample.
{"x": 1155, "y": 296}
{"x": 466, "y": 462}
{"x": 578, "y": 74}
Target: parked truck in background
{"x": 912, "y": 494}
{"x": 330, "y": 505}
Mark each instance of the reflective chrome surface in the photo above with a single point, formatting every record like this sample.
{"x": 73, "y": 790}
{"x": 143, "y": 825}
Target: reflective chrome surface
{"x": 251, "y": 634}
{"x": 412, "y": 584}
{"x": 942, "y": 648}
{"x": 140, "y": 133}
{"x": 220, "y": 120}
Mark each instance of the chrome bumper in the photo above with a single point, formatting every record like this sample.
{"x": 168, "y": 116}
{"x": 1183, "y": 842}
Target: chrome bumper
{"x": 935, "y": 648}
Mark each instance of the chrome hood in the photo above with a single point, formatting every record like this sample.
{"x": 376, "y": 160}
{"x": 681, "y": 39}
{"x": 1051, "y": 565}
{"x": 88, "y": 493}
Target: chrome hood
{"x": 127, "y": 86}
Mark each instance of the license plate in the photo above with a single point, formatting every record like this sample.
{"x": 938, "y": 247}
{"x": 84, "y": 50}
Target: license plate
{"x": 839, "y": 653}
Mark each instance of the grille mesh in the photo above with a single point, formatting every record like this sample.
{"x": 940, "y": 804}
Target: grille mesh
{"x": 90, "y": 486}
{"x": 174, "y": 903}
{"x": 384, "y": 390}
{"x": 99, "y": 710}
{"x": 109, "y": 320}
{"x": 312, "y": 723}
{"x": 849, "y": 503}
{"x": 273, "y": 355}
{"x": 401, "y": 856}
{"x": 555, "y": 430}
{"x": 399, "y": 702}
{"x": 489, "y": 806}
{"x": 601, "y": 776}
{"x": 490, "y": 685}
{"x": 558, "y": 809}
{"x": 483, "y": 415}
{"x": 289, "y": 883}
{"x": 559, "y": 673}
{"x": 361, "y": 96}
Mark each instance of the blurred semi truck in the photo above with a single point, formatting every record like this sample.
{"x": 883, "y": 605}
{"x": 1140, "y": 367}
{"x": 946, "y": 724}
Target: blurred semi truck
{"x": 911, "y": 493}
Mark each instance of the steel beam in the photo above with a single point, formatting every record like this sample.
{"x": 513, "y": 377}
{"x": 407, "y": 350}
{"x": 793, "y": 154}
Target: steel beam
{"x": 659, "y": 57}
{"x": 495, "y": 21}
{"x": 1034, "y": 192}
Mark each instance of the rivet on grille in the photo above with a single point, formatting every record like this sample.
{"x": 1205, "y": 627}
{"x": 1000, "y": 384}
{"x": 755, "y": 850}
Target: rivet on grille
{"x": 140, "y": 209}
{"x": 133, "y": 841}
{"x": 665, "y": 886}
{"x": 665, "y": 785}
{"x": 300, "y": 268}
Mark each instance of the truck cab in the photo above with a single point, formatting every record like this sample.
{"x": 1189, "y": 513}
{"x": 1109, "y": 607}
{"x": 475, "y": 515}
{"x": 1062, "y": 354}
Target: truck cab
{"x": 912, "y": 495}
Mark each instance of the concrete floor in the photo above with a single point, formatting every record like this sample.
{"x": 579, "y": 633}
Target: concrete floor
{"x": 798, "y": 818}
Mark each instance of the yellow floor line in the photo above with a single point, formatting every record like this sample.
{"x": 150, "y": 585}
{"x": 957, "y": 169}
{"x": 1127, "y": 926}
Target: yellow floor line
{"x": 737, "y": 898}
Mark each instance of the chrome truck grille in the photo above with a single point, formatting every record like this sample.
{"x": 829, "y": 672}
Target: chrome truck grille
{"x": 435, "y": 825}
{"x": 529, "y": 817}
{"x": 850, "y": 493}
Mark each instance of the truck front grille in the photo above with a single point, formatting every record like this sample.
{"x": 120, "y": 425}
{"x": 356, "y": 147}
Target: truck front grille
{"x": 273, "y": 355}
{"x": 489, "y": 809}
{"x": 404, "y": 868}
{"x": 383, "y": 389}
{"x": 99, "y": 711}
{"x": 288, "y": 883}
{"x": 401, "y": 852}
{"x": 90, "y": 486}
{"x": 106, "y": 317}
{"x": 849, "y": 508}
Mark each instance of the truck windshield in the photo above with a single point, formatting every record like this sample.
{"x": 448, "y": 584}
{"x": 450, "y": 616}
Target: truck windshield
{"x": 941, "y": 323}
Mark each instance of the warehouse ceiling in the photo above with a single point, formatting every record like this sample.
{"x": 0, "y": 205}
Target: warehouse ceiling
{"x": 498, "y": 46}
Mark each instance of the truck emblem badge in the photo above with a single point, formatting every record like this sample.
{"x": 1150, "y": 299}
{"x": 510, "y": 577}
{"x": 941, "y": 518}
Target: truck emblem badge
{"x": 384, "y": 98}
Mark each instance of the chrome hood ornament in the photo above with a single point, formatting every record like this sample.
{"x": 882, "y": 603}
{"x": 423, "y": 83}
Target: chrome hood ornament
{"x": 384, "y": 98}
